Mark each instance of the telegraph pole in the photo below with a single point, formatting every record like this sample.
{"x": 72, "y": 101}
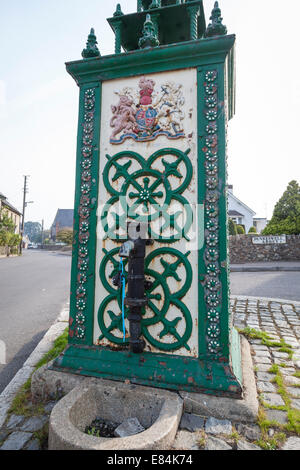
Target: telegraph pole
{"x": 25, "y": 191}
{"x": 42, "y": 232}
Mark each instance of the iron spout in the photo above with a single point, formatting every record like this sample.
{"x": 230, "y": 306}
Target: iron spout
{"x": 135, "y": 251}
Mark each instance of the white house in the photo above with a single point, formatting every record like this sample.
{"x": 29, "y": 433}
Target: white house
{"x": 239, "y": 212}
{"x": 259, "y": 223}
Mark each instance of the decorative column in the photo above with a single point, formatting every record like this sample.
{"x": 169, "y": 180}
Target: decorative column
{"x": 193, "y": 13}
{"x": 118, "y": 29}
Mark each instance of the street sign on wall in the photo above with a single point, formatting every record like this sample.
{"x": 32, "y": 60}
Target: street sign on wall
{"x": 269, "y": 240}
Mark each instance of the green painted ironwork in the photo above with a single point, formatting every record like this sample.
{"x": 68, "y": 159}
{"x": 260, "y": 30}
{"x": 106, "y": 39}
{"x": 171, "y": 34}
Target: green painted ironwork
{"x": 139, "y": 5}
{"x": 171, "y": 298}
{"x": 193, "y": 13}
{"x": 215, "y": 28}
{"x": 91, "y": 49}
{"x": 216, "y": 369}
{"x": 118, "y": 37}
{"x": 173, "y": 372}
{"x": 149, "y": 35}
{"x": 85, "y": 219}
{"x": 118, "y": 11}
{"x": 154, "y": 4}
{"x": 178, "y": 21}
{"x": 134, "y": 186}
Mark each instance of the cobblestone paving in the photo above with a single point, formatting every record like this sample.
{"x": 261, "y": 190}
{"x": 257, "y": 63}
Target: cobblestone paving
{"x": 277, "y": 371}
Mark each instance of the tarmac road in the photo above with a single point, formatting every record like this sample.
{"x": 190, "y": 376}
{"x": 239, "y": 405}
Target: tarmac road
{"x": 33, "y": 290}
{"x": 279, "y": 285}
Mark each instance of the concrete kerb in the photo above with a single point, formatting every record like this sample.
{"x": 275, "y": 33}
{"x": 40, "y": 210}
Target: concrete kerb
{"x": 9, "y": 393}
{"x": 257, "y": 269}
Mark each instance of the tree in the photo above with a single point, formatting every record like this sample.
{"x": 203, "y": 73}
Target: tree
{"x": 8, "y": 237}
{"x": 286, "y": 215}
{"x": 13, "y": 239}
{"x": 232, "y": 227}
{"x": 46, "y": 236}
{"x": 65, "y": 236}
{"x": 7, "y": 228}
{"x": 34, "y": 231}
{"x": 240, "y": 229}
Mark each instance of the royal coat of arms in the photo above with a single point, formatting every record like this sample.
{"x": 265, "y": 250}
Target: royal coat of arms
{"x": 145, "y": 114}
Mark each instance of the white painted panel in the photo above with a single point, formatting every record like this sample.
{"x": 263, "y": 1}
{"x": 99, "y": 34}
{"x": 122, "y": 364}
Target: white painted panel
{"x": 181, "y": 136}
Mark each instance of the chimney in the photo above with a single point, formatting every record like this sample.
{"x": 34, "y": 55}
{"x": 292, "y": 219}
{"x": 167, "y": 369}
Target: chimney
{"x": 230, "y": 188}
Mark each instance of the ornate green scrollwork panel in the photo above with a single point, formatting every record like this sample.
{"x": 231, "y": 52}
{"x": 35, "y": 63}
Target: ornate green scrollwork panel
{"x": 172, "y": 332}
{"x": 150, "y": 190}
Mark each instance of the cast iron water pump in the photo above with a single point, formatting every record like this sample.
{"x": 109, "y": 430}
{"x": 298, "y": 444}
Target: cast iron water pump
{"x": 135, "y": 250}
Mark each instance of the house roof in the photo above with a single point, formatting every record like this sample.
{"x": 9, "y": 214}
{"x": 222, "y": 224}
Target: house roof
{"x": 7, "y": 204}
{"x": 64, "y": 218}
{"x": 230, "y": 194}
{"x": 235, "y": 213}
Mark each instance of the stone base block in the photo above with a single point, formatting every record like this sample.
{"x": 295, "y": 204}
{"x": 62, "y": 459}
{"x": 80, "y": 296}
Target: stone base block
{"x": 48, "y": 384}
{"x": 243, "y": 411}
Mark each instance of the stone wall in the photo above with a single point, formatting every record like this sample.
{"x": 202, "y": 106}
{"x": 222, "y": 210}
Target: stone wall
{"x": 8, "y": 251}
{"x": 55, "y": 248}
{"x": 242, "y": 250}
{"x": 3, "y": 251}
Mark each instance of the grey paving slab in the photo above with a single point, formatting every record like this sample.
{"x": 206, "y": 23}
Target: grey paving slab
{"x": 191, "y": 422}
{"x": 34, "y": 424}
{"x": 16, "y": 441}
{"x": 218, "y": 426}
{"x": 292, "y": 443}
{"x": 214, "y": 443}
{"x": 242, "y": 445}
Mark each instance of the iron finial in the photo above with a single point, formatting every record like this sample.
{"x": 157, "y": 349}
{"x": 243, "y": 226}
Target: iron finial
{"x": 215, "y": 28}
{"x": 149, "y": 38}
{"x": 154, "y": 4}
{"x": 91, "y": 49}
{"x": 118, "y": 11}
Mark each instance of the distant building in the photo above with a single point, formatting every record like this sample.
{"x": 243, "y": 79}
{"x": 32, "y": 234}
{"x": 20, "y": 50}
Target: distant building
{"x": 11, "y": 211}
{"x": 259, "y": 223}
{"x": 63, "y": 220}
{"x": 25, "y": 241}
{"x": 241, "y": 214}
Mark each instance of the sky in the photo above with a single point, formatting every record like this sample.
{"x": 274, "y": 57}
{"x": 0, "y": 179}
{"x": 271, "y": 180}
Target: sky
{"x": 39, "y": 100}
